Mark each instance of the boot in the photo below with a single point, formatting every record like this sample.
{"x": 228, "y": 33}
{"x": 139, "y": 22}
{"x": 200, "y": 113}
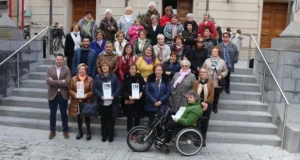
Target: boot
{"x": 88, "y": 128}
{"x": 80, "y": 133}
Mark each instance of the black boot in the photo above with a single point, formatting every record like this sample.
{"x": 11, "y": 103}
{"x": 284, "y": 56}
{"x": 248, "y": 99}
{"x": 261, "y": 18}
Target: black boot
{"x": 80, "y": 133}
{"x": 215, "y": 109}
{"x": 88, "y": 128}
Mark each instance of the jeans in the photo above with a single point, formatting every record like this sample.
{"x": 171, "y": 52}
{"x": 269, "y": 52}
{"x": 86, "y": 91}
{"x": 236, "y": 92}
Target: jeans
{"x": 63, "y": 105}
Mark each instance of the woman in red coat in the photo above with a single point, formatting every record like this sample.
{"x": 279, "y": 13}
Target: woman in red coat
{"x": 207, "y": 22}
{"x": 127, "y": 58}
{"x": 167, "y": 17}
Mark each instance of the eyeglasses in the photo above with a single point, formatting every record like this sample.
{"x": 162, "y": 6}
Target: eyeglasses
{"x": 184, "y": 66}
{"x": 199, "y": 41}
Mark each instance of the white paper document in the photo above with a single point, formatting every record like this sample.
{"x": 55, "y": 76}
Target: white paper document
{"x": 179, "y": 113}
{"x": 107, "y": 90}
{"x": 135, "y": 90}
{"x": 80, "y": 90}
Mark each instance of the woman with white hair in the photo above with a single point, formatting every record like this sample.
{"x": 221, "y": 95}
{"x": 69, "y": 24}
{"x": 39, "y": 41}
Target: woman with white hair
{"x": 191, "y": 19}
{"x": 161, "y": 50}
{"x": 207, "y": 23}
{"x": 182, "y": 83}
{"x": 151, "y": 11}
{"x": 126, "y": 21}
{"x": 154, "y": 30}
{"x": 109, "y": 26}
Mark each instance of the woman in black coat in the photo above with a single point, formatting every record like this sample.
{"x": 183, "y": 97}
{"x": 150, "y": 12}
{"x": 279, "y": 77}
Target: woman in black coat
{"x": 133, "y": 107}
{"x": 73, "y": 42}
{"x": 154, "y": 30}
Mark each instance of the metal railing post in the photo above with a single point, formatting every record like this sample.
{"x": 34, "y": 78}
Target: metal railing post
{"x": 18, "y": 70}
{"x": 249, "y": 51}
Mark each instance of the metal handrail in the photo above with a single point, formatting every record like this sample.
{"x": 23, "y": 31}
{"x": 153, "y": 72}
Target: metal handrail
{"x": 18, "y": 61}
{"x": 279, "y": 88}
{"x": 24, "y": 45}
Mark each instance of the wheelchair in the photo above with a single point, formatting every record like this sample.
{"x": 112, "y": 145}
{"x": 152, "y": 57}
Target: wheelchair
{"x": 188, "y": 141}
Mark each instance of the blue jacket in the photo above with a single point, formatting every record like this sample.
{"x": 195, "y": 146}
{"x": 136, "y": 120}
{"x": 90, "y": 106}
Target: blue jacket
{"x": 115, "y": 86}
{"x": 173, "y": 68}
{"x": 92, "y": 57}
{"x": 95, "y": 46}
{"x": 154, "y": 94}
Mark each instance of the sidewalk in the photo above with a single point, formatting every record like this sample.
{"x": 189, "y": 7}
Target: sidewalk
{"x": 31, "y": 144}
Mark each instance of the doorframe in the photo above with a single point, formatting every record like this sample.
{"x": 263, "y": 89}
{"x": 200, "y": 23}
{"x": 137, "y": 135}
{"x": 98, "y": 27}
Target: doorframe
{"x": 194, "y": 10}
{"x": 68, "y": 15}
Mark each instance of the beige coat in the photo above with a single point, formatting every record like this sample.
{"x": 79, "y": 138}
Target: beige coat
{"x": 213, "y": 75}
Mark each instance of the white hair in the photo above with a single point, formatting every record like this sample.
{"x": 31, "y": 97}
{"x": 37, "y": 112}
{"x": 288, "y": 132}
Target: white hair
{"x": 207, "y": 13}
{"x": 107, "y": 10}
{"x": 129, "y": 8}
{"x": 190, "y": 15}
{"x": 186, "y": 62}
{"x": 151, "y": 4}
{"x": 160, "y": 36}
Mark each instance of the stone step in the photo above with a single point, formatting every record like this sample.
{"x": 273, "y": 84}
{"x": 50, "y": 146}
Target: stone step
{"x": 40, "y": 84}
{"x": 245, "y": 87}
{"x": 242, "y": 105}
{"x": 51, "y": 61}
{"x": 242, "y": 116}
{"x": 239, "y": 95}
{"x": 42, "y": 68}
{"x": 30, "y": 92}
{"x": 244, "y": 71}
{"x": 120, "y": 131}
{"x": 255, "y": 139}
{"x": 243, "y": 78}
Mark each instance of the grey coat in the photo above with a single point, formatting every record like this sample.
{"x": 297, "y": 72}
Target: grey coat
{"x": 179, "y": 94}
{"x": 82, "y": 24}
{"x": 124, "y": 25}
{"x": 233, "y": 54}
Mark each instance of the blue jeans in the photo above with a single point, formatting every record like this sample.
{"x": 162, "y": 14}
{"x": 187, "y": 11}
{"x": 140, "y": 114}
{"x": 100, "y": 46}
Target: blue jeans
{"x": 63, "y": 105}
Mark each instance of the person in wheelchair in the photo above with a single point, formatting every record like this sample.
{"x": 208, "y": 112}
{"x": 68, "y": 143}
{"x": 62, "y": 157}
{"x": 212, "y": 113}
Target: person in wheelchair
{"x": 190, "y": 116}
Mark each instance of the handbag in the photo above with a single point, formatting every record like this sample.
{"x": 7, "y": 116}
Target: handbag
{"x": 89, "y": 109}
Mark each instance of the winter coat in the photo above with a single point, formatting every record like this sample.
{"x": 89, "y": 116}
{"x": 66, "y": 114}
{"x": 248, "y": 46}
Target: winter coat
{"x": 189, "y": 38}
{"x": 144, "y": 68}
{"x": 105, "y": 26}
{"x": 111, "y": 58}
{"x": 88, "y": 90}
{"x": 171, "y": 67}
{"x": 155, "y": 93}
{"x": 123, "y": 64}
{"x": 119, "y": 48}
{"x": 82, "y": 24}
{"x": 165, "y": 52}
{"x": 136, "y": 108}
{"x": 179, "y": 94}
{"x": 197, "y": 58}
{"x": 152, "y": 35}
{"x": 210, "y": 24}
{"x": 132, "y": 33}
{"x": 147, "y": 19}
{"x": 191, "y": 115}
{"x": 69, "y": 45}
{"x": 115, "y": 89}
{"x": 124, "y": 25}
{"x": 136, "y": 49}
{"x": 99, "y": 49}
{"x": 233, "y": 54}
{"x": 91, "y": 62}
{"x": 208, "y": 91}
{"x": 168, "y": 32}
{"x": 213, "y": 73}
{"x": 237, "y": 40}
{"x": 164, "y": 20}
{"x": 184, "y": 52}
{"x": 195, "y": 26}
{"x": 208, "y": 43}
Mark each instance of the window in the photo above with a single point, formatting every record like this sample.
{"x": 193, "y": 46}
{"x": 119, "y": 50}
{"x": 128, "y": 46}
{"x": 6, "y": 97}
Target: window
{"x": 3, "y": 3}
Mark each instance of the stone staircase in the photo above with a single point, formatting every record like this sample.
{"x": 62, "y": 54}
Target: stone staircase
{"x": 242, "y": 118}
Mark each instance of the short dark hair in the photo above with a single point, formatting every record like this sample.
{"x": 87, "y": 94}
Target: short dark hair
{"x": 227, "y": 34}
{"x": 86, "y": 37}
{"x": 144, "y": 31}
{"x": 207, "y": 28}
{"x": 88, "y": 12}
{"x": 178, "y": 36}
{"x": 60, "y": 55}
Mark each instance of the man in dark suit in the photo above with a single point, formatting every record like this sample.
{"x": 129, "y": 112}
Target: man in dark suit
{"x": 58, "y": 80}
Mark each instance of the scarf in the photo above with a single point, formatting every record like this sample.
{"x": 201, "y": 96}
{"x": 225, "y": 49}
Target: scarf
{"x": 180, "y": 78}
{"x": 81, "y": 78}
{"x": 204, "y": 86}
{"x": 76, "y": 39}
{"x": 160, "y": 52}
{"x": 148, "y": 60}
{"x": 100, "y": 43}
{"x": 174, "y": 30}
{"x": 141, "y": 44}
{"x": 214, "y": 61}
{"x": 88, "y": 26}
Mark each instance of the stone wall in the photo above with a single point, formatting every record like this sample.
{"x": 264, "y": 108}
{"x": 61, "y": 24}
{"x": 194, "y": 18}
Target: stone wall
{"x": 286, "y": 67}
{"x": 29, "y": 57}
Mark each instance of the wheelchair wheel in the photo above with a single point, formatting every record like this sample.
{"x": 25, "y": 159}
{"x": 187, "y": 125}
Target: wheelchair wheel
{"x": 189, "y": 141}
{"x": 136, "y": 139}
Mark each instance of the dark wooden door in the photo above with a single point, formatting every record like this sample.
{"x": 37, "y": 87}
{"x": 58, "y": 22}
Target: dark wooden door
{"x": 183, "y": 8}
{"x": 273, "y": 22}
{"x": 80, "y": 7}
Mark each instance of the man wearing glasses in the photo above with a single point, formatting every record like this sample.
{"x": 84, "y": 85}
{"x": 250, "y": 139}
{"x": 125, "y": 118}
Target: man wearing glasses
{"x": 230, "y": 54}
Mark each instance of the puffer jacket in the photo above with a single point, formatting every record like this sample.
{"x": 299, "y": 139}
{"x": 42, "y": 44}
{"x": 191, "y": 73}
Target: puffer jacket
{"x": 123, "y": 64}
{"x": 191, "y": 115}
{"x": 91, "y": 62}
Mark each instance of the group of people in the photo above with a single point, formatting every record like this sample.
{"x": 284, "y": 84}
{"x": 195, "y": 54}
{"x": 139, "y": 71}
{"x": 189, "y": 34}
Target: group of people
{"x": 165, "y": 58}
